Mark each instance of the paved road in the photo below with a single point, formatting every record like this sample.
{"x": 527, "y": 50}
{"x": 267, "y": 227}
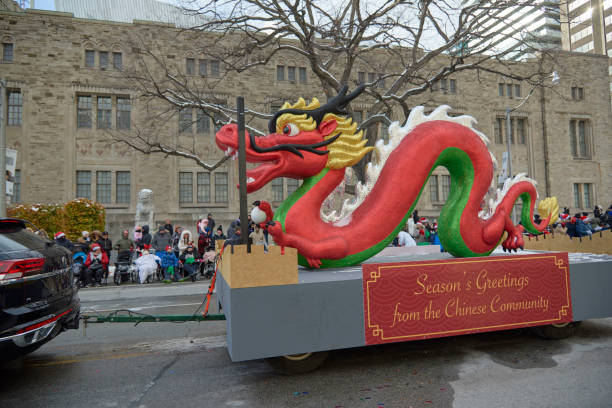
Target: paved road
{"x": 187, "y": 365}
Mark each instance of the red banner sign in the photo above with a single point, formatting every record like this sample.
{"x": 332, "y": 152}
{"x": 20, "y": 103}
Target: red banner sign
{"x": 425, "y": 299}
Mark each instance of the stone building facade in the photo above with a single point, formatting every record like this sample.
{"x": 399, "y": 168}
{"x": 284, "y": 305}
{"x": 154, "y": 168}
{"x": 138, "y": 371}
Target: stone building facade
{"x": 68, "y": 98}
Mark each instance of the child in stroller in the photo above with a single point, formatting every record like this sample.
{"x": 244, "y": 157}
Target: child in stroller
{"x": 78, "y": 261}
{"x": 123, "y": 267}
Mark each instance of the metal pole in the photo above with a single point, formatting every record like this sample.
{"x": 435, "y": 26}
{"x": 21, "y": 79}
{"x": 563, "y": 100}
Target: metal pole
{"x": 242, "y": 179}
{"x": 508, "y": 151}
{"x": 3, "y": 147}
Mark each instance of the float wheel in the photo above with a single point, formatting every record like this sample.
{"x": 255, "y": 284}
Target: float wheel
{"x": 298, "y": 363}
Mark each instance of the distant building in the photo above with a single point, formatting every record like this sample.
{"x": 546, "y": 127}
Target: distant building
{"x": 66, "y": 95}
{"x": 588, "y": 28}
{"x": 519, "y": 31}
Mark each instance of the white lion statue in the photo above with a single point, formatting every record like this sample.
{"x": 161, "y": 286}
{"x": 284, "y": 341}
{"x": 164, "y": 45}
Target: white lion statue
{"x": 145, "y": 206}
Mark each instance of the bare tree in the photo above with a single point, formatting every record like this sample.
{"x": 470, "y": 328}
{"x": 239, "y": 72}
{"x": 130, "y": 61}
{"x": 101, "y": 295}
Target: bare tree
{"x": 399, "y": 49}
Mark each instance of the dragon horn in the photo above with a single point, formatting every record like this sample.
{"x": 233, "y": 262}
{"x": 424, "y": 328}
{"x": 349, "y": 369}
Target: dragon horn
{"x": 336, "y": 105}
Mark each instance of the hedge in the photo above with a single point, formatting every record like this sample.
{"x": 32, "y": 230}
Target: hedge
{"x": 71, "y": 218}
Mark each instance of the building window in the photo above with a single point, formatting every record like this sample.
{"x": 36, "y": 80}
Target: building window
{"x": 215, "y": 68}
{"x": 15, "y": 108}
{"x": 577, "y": 196}
{"x": 453, "y": 86}
{"x": 577, "y": 93}
{"x": 500, "y": 89}
{"x": 90, "y": 58}
{"x": 190, "y": 66}
{"x": 588, "y": 194}
{"x": 185, "y": 120}
{"x": 511, "y": 135}
{"x": 277, "y": 189}
{"x": 16, "y": 187}
{"x": 203, "y": 122}
{"x": 7, "y": 52}
{"x": 203, "y": 193}
{"x": 497, "y": 130}
{"x": 517, "y": 91}
{"x": 509, "y": 90}
{"x": 521, "y": 130}
{"x": 579, "y": 139}
{"x": 303, "y": 77}
{"x": 117, "y": 60}
{"x": 202, "y": 67}
{"x": 221, "y": 189}
{"x": 280, "y": 72}
{"x": 84, "y": 112}
{"x": 123, "y": 189}
{"x": 83, "y": 187}
{"x": 358, "y": 117}
{"x": 433, "y": 189}
{"x": 104, "y": 112}
{"x": 446, "y": 183}
{"x": 443, "y": 85}
{"x": 292, "y": 185}
{"x": 361, "y": 77}
{"x": 434, "y": 86}
{"x": 381, "y": 81}
{"x": 124, "y": 108}
{"x": 103, "y": 186}
{"x": 185, "y": 187}
{"x": 291, "y": 74}
{"x": 103, "y": 59}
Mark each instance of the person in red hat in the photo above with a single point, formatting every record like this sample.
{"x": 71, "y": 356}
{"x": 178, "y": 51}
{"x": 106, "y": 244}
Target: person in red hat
{"x": 169, "y": 264}
{"x": 60, "y": 239}
{"x": 96, "y": 264}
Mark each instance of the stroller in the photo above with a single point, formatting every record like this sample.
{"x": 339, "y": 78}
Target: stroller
{"x": 78, "y": 265}
{"x": 123, "y": 268}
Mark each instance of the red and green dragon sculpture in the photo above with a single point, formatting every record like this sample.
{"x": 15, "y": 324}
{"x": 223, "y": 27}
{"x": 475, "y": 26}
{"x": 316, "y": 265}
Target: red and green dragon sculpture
{"x": 317, "y": 143}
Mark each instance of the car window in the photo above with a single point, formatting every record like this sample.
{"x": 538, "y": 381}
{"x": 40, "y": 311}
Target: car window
{"x": 20, "y": 241}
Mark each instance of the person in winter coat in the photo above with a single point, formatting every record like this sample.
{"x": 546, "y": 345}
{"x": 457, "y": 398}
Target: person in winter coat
{"x": 168, "y": 226}
{"x": 83, "y": 242}
{"x": 188, "y": 260}
{"x": 60, "y": 239}
{"x": 161, "y": 239}
{"x": 137, "y": 234}
{"x": 124, "y": 244}
{"x": 147, "y": 265}
{"x": 204, "y": 243}
{"x": 145, "y": 241}
{"x": 219, "y": 236}
{"x": 211, "y": 221}
{"x": 105, "y": 243}
{"x": 96, "y": 264}
{"x": 257, "y": 236}
{"x": 169, "y": 264}
{"x": 185, "y": 241}
{"x": 582, "y": 228}
{"x": 176, "y": 238}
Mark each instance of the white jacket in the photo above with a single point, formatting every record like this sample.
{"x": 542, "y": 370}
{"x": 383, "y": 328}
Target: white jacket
{"x": 182, "y": 245}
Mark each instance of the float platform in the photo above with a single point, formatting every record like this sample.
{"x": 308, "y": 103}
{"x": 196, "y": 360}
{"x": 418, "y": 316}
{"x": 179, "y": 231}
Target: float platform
{"x": 329, "y": 309}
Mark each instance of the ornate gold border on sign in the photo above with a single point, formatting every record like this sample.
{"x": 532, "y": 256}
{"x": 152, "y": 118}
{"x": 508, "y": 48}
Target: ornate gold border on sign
{"x": 558, "y": 262}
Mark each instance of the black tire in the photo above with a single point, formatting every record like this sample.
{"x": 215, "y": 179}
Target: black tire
{"x": 555, "y": 331}
{"x": 298, "y": 363}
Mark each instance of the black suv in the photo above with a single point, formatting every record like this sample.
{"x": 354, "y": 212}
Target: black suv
{"x": 38, "y": 299}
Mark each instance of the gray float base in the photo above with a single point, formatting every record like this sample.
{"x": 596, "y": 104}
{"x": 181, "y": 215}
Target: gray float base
{"x": 324, "y": 311}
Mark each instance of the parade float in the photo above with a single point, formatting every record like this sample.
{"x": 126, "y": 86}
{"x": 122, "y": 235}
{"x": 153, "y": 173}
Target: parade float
{"x": 349, "y": 289}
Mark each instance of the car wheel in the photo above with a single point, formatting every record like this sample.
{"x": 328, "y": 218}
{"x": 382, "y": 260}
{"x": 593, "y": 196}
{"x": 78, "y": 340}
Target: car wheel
{"x": 298, "y": 363}
{"x": 555, "y": 331}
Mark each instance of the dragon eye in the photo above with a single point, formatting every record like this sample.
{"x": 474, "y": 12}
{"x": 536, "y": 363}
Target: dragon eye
{"x": 291, "y": 129}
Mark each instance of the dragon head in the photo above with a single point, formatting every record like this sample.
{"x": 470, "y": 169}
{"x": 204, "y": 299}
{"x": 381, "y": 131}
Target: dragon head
{"x": 303, "y": 140}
